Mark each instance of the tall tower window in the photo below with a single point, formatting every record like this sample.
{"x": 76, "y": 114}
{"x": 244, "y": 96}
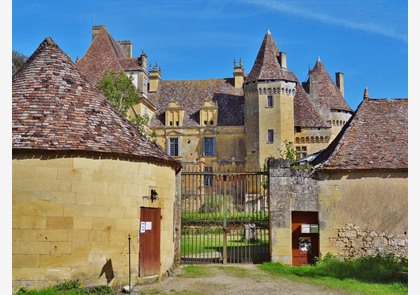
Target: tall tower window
{"x": 269, "y": 101}
{"x": 209, "y": 146}
{"x": 270, "y": 136}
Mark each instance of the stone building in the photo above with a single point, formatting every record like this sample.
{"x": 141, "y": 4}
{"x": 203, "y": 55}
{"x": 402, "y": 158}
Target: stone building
{"x": 354, "y": 202}
{"x": 88, "y": 188}
{"x": 363, "y": 179}
{"x": 236, "y": 121}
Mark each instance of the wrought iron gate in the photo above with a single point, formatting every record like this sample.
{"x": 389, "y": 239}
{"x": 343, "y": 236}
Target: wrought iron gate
{"x": 224, "y": 217}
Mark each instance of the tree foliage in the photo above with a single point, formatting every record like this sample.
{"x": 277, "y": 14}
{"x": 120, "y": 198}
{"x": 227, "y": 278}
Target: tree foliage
{"x": 123, "y": 95}
{"x": 18, "y": 60}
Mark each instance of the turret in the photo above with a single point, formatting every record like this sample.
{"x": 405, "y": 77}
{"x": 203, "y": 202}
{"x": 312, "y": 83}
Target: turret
{"x": 143, "y": 76}
{"x": 154, "y": 77}
{"x": 238, "y": 73}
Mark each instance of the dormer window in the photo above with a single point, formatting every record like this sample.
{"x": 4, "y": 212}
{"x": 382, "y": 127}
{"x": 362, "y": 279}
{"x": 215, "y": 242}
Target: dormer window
{"x": 174, "y": 115}
{"x": 208, "y": 113}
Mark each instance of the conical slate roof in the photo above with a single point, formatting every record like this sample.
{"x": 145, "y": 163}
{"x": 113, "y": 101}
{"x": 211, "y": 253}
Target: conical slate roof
{"x": 267, "y": 65}
{"x": 328, "y": 93}
{"x": 305, "y": 113}
{"x": 56, "y": 109}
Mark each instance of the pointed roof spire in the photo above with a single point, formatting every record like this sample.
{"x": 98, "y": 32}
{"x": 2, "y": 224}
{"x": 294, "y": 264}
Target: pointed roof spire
{"x": 267, "y": 64}
{"x": 328, "y": 94}
{"x": 268, "y": 31}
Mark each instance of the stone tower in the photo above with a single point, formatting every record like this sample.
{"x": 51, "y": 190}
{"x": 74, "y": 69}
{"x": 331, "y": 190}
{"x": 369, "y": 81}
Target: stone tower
{"x": 269, "y": 91}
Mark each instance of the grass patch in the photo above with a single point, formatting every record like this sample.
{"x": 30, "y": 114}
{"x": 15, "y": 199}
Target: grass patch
{"x": 196, "y": 271}
{"x": 236, "y": 271}
{"x": 72, "y": 287}
{"x": 370, "y": 275}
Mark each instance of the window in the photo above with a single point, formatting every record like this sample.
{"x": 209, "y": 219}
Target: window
{"x": 270, "y": 136}
{"x": 173, "y": 147}
{"x": 301, "y": 152}
{"x": 269, "y": 101}
{"x": 208, "y": 179}
{"x": 209, "y": 146}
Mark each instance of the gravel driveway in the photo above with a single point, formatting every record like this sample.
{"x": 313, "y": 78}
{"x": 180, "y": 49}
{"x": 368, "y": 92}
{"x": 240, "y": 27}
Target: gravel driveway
{"x": 238, "y": 279}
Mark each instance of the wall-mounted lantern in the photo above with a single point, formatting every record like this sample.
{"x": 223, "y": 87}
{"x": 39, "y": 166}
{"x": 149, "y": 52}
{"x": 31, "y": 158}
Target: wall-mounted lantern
{"x": 153, "y": 195}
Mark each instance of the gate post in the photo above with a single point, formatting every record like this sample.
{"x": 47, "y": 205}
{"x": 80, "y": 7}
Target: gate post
{"x": 224, "y": 221}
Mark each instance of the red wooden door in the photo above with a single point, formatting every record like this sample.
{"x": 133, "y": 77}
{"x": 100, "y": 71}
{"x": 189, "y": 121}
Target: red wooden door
{"x": 305, "y": 246}
{"x": 149, "y": 254}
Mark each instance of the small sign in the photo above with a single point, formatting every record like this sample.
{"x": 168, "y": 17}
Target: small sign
{"x": 148, "y": 225}
{"x": 142, "y": 227}
{"x": 305, "y": 229}
{"x": 314, "y": 228}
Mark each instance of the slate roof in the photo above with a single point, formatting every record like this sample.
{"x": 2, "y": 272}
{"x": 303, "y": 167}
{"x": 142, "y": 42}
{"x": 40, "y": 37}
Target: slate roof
{"x": 190, "y": 95}
{"x": 306, "y": 114}
{"x": 105, "y": 53}
{"x": 267, "y": 65}
{"x": 328, "y": 92}
{"x": 376, "y": 137}
{"x": 56, "y": 109}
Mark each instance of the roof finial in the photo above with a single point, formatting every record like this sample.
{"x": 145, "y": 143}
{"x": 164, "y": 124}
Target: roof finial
{"x": 365, "y": 93}
{"x": 268, "y": 31}
{"x": 319, "y": 59}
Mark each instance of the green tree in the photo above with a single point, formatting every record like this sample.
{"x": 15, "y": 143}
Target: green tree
{"x": 18, "y": 60}
{"x": 289, "y": 153}
{"x": 123, "y": 95}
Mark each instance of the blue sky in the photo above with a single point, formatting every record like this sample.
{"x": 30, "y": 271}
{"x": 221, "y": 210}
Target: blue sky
{"x": 366, "y": 40}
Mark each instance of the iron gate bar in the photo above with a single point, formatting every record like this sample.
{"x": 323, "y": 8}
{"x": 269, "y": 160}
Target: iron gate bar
{"x": 235, "y": 233}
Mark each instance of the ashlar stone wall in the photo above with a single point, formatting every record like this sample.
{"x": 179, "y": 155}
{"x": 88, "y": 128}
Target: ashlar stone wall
{"x": 71, "y": 215}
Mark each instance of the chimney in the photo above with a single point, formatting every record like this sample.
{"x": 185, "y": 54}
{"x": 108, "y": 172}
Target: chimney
{"x": 95, "y": 30}
{"x": 365, "y": 93}
{"x": 339, "y": 81}
{"x": 283, "y": 61}
{"x": 127, "y": 45}
{"x": 154, "y": 77}
{"x": 238, "y": 73}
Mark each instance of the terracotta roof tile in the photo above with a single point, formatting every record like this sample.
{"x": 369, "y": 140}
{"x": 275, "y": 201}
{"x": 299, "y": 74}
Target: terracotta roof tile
{"x": 266, "y": 65}
{"x": 376, "y": 137}
{"x": 328, "y": 92}
{"x": 56, "y": 109}
{"x": 190, "y": 95}
{"x": 306, "y": 114}
{"x": 130, "y": 64}
{"x": 102, "y": 55}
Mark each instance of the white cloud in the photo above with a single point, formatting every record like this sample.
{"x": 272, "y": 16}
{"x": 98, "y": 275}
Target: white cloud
{"x": 386, "y": 17}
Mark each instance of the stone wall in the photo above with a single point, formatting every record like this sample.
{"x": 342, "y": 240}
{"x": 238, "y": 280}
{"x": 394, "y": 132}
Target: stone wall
{"x": 290, "y": 190}
{"x": 374, "y": 201}
{"x": 72, "y": 216}
{"x": 354, "y": 242}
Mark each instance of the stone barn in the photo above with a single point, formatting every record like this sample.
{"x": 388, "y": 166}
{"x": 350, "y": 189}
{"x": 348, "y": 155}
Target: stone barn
{"x": 353, "y": 202}
{"x": 93, "y": 199}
